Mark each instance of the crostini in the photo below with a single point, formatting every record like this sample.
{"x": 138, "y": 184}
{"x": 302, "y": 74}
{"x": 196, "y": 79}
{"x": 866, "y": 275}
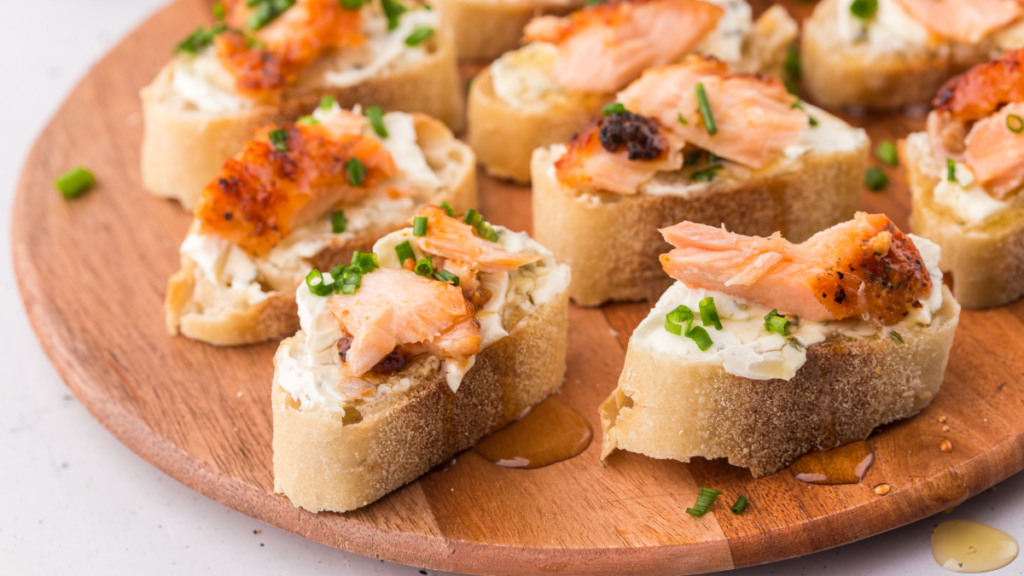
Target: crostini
{"x": 446, "y": 332}
{"x": 966, "y": 173}
{"x": 269, "y": 61}
{"x": 763, "y": 350}
{"x": 303, "y": 196}
{"x": 548, "y": 90}
{"x": 889, "y": 54}
{"x": 690, "y": 141}
{"x": 485, "y": 29}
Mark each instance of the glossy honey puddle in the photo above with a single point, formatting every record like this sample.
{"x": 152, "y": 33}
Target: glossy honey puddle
{"x": 551, "y": 432}
{"x": 847, "y": 464}
{"x": 972, "y": 547}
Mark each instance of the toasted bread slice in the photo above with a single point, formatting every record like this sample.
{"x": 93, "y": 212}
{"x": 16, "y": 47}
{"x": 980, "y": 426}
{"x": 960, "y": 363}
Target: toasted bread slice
{"x": 348, "y": 455}
{"x": 504, "y": 135}
{"x": 668, "y": 406}
{"x": 184, "y": 147}
{"x": 985, "y": 258}
{"x": 487, "y": 29}
{"x": 837, "y": 74}
{"x": 612, "y": 241}
{"x": 210, "y": 312}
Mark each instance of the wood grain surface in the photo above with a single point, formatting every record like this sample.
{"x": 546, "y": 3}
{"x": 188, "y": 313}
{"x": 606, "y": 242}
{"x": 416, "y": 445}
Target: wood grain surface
{"x": 92, "y": 274}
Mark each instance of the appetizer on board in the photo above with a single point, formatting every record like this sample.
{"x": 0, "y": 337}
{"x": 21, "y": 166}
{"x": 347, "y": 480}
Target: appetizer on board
{"x": 548, "y": 90}
{"x": 302, "y": 196}
{"x": 691, "y": 141}
{"x": 886, "y": 54}
{"x": 966, "y": 173}
{"x": 483, "y": 29}
{"x": 446, "y": 332}
{"x": 267, "y": 61}
{"x": 763, "y": 350}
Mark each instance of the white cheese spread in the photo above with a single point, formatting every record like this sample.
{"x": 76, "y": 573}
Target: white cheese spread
{"x": 725, "y": 42}
{"x": 891, "y": 29}
{"x": 744, "y": 348}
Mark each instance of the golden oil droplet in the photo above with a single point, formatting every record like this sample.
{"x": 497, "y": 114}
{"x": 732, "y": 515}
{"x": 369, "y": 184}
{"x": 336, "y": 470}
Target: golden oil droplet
{"x": 847, "y": 464}
{"x": 946, "y": 446}
{"x": 942, "y": 419}
{"x": 549, "y": 433}
{"x": 882, "y": 489}
{"x": 945, "y": 428}
{"x": 966, "y": 546}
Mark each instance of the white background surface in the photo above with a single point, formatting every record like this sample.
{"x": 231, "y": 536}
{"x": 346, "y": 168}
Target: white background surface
{"x": 74, "y": 500}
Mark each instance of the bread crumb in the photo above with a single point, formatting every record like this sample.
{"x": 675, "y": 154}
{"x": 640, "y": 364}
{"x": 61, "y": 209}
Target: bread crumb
{"x": 946, "y": 446}
{"x": 881, "y": 489}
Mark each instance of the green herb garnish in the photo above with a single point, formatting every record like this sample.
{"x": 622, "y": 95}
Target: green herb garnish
{"x": 1015, "y": 123}
{"x": 316, "y": 284}
{"x": 875, "y": 179}
{"x": 706, "y": 175}
{"x": 886, "y": 152}
{"x": 419, "y": 35}
{"x": 327, "y": 103}
{"x": 950, "y": 170}
{"x": 613, "y": 108}
{"x": 375, "y": 114}
{"x": 199, "y": 39}
{"x": 266, "y": 11}
{"x": 447, "y": 277}
{"x": 896, "y": 338}
{"x": 392, "y": 10}
{"x": 864, "y": 9}
{"x": 448, "y": 209}
{"x": 279, "y": 139}
{"x": 338, "y": 222}
{"x": 709, "y": 313}
{"x": 356, "y": 171}
{"x": 419, "y": 226}
{"x": 74, "y": 182}
{"x": 307, "y": 121}
{"x": 705, "y": 109}
{"x": 777, "y": 323}
{"x": 705, "y": 498}
{"x": 740, "y": 504}
{"x": 425, "y": 267}
{"x": 404, "y": 251}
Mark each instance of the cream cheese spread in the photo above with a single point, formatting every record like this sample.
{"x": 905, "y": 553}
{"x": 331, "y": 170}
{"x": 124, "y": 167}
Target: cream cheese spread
{"x": 725, "y": 42}
{"x": 744, "y": 348}
{"x": 891, "y": 29}
{"x": 313, "y": 370}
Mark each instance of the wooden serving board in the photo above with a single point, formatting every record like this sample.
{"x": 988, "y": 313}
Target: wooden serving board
{"x": 92, "y": 274}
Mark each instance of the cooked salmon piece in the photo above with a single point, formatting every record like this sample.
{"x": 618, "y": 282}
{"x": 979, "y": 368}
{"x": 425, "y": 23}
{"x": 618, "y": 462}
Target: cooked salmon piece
{"x": 618, "y": 154}
{"x": 455, "y": 240}
{"x": 603, "y": 47}
{"x": 287, "y": 45}
{"x": 864, "y": 268}
{"x": 995, "y": 153}
{"x": 395, "y": 307}
{"x": 754, "y": 116}
{"x": 966, "y": 21}
{"x": 269, "y": 188}
{"x": 983, "y": 89}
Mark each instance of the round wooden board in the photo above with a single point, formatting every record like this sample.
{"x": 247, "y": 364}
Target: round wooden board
{"x": 92, "y": 274}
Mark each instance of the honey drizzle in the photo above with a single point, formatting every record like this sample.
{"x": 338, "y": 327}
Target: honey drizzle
{"x": 549, "y": 433}
{"x": 847, "y": 464}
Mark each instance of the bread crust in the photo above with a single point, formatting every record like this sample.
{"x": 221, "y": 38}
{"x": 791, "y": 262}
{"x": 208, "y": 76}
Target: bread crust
{"x": 985, "y": 259}
{"x": 613, "y": 243}
{"x": 838, "y": 75}
{"x": 276, "y": 316}
{"x": 504, "y": 136}
{"x": 666, "y": 408}
{"x": 183, "y": 149}
{"x": 486, "y": 29}
{"x": 321, "y": 462}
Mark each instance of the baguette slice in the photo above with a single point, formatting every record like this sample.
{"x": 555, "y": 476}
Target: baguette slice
{"x": 486, "y": 29}
{"x": 986, "y": 259}
{"x": 183, "y": 148}
{"x": 342, "y": 460}
{"x": 668, "y": 407}
{"x": 202, "y": 310}
{"x": 612, "y": 241}
{"x": 504, "y": 136}
{"x": 836, "y": 74}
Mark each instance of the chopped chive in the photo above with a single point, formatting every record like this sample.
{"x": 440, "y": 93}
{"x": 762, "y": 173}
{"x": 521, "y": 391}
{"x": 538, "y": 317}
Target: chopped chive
{"x": 404, "y": 251}
{"x": 886, "y": 152}
{"x": 74, "y": 182}
{"x": 351, "y": 4}
{"x": 812, "y": 121}
{"x": 792, "y": 63}
{"x": 613, "y": 108}
{"x": 447, "y": 277}
{"x": 315, "y": 282}
{"x": 777, "y": 323}
{"x": 487, "y": 232}
{"x": 675, "y": 319}
{"x": 705, "y": 498}
{"x": 327, "y": 102}
{"x": 713, "y": 158}
{"x": 266, "y": 12}
{"x": 419, "y": 226}
{"x": 709, "y": 313}
{"x": 419, "y": 35}
{"x": 681, "y": 119}
{"x": 896, "y": 338}
{"x": 307, "y": 121}
{"x": 798, "y": 105}
{"x": 338, "y": 222}
{"x": 875, "y": 179}
{"x": 199, "y": 39}
{"x": 279, "y": 139}
{"x": 425, "y": 267}
{"x": 392, "y": 10}
{"x": 705, "y": 110}
{"x": 1015, "y": 123}
{"x": 364, "y": 262}
{"x": 473, "y": 218}
{"x": 740, "y": 505}
{"x": 218, "y": 10}
{"x": 375, "y": 114}
{"x": 448, "y": 209}
{"x": 706, "y": 175}
{"x": 356, "y": 172}
{"x": 950, "y": 170}
{"x": 700, "y": 336}
{"x": 864, "y": 9}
